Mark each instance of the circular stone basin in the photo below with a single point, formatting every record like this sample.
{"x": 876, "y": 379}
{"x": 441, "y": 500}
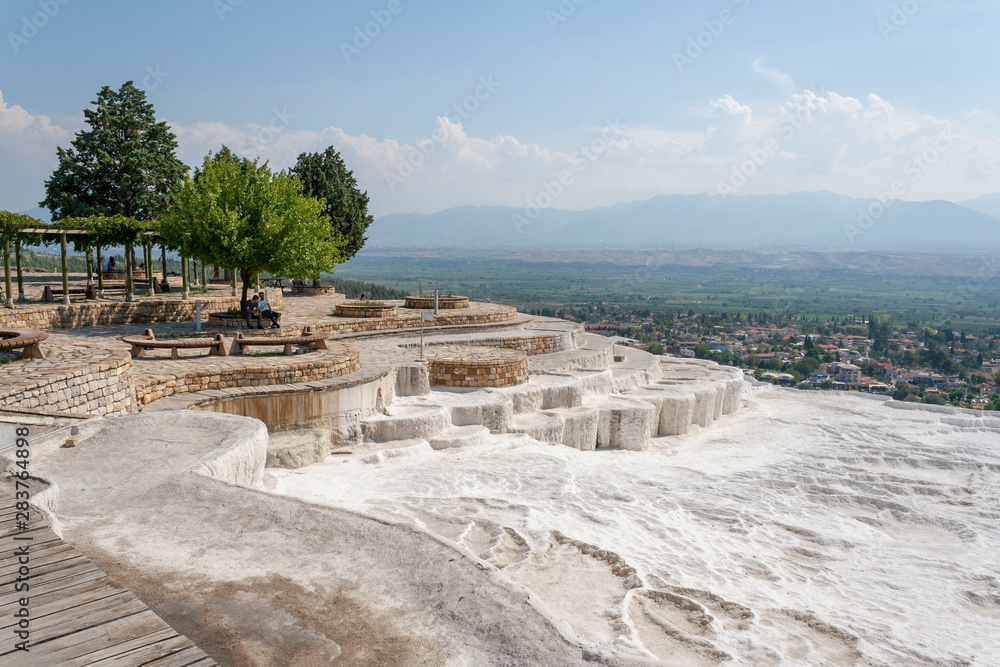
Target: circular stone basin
{"x": 364, "y": 309}
{"x": 456, "y": 366}
{"x": 444, "y": 302}
{"x": 309, "y": 290}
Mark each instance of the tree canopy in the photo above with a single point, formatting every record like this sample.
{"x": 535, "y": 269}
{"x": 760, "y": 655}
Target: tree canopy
{"x": 324, "y": 175}
{"x": 106, "y": 230}
{"x": 124, "y": 164}
{"x": 10, "y": 224}
{"x": 240, "y": 214}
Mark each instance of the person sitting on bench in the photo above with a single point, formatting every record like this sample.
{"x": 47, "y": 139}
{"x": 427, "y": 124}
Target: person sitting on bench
{"x": 250, "y": 309}
{"x": 265, "y": 311}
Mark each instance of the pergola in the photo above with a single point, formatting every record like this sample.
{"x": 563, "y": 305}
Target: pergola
{"x": 15, "y": 233}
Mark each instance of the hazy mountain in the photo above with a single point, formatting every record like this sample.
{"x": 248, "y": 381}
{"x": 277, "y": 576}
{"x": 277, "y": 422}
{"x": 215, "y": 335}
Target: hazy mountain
{"x": 38, "y": 213}
{"x": 987, "y": 204}
{"x": 812, "y": 220}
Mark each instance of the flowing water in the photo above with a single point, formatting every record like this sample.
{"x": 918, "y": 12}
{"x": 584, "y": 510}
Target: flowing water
{"x": 809, "y": 528}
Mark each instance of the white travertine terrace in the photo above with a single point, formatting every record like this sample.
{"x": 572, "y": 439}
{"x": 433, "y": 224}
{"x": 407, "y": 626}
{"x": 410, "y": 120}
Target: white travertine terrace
{"x": 182, "y": 495}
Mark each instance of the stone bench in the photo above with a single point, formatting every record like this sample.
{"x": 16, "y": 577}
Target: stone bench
{"x": 26, "y": 339}
{"x": 50, "y": 293}
{"x": 308, "y": 337}
{"x": 216, "y": 346}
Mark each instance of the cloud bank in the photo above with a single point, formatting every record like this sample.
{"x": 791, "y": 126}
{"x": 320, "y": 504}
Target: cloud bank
{"x": 810, "y": 141}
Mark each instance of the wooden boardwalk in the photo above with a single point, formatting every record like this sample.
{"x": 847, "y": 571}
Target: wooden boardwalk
{"x": 78, "y": 614}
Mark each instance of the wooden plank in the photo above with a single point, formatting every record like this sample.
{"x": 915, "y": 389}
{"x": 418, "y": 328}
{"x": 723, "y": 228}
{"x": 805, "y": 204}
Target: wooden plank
{"x": 188, "y": 657}
{"x": 51, "y": 559}
{"x": 39, "y": 549}
{"x": 64, "y": 583}
{"x": 41, "y": 543}
{"x": 79, "y": 615}
{"x": 53, "y": 572}
{"x": 44, "y": 615}
{"x": 65, "y": 619}
{"x": 73, "y": 623}
{"x": 94, "y": 587}
{"x": 95, "y": 638}
{"x": 139, "y": 651}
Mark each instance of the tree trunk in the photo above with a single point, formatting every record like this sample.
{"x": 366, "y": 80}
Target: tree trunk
{"x": 129, "y": 263}
{"x": 20, "y": 271}
{"x": 246, "y": 276}
{"x": 100, "y": 273}
{"x": 65, "y": 270}
{"x": 147, "y": 250}
{"x": 7, "y": 300}
{"x": 163, "y": 262}
{"x": 90, "y": 265}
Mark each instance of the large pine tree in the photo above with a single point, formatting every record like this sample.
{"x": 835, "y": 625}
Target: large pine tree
{"x": 324, "y": 175}
{"x": 124, "y": 164}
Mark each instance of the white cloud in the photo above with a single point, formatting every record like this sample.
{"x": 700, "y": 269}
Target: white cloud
{"x": 777, "y": 77}
{"x": 821, "y": 141}
{"x": 28, "y": 146}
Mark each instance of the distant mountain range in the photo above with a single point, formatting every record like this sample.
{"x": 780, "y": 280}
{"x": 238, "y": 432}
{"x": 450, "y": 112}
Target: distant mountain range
{"x": 815, "y": 221}
{"x": 820, "y": 221}
{"x": 988, "y": 205}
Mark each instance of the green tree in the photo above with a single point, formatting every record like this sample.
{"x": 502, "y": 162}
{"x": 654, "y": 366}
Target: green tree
{"x": 324, "y": 175}
{"x": 242, "y": 215}
{"x": 656, "y": 348}
{"x": 124, "y": 164}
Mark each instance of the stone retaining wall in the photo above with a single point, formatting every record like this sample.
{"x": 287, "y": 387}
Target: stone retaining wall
{"x": 245, "y": 371}
{"x": 146, "y": 311}
{"x": 532, "y": 344}
{"x": 476, "y": 367}
{"x": 425, "y": 302}
{"x": 412, "y": 321}
{"x": 308, "y": 290}
{"x": 82, "y": 380}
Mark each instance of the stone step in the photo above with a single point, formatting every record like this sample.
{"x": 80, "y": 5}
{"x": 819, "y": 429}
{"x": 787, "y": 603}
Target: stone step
{"x": 460, "y": 436}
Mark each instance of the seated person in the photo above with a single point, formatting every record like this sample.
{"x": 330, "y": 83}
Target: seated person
{"x": 250, "y": 308}
{"x": 265, "y": 311}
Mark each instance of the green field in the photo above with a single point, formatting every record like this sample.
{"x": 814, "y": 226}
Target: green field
{"x": 529, "y": 285}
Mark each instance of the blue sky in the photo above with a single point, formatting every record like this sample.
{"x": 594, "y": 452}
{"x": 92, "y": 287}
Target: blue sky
{"x": 872, "y": 84}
